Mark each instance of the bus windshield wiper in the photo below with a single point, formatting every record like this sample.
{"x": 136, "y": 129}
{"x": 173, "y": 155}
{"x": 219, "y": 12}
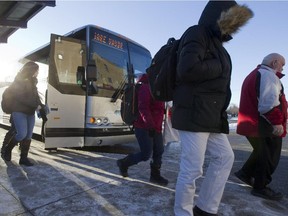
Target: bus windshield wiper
{"x": 118, "y": 91}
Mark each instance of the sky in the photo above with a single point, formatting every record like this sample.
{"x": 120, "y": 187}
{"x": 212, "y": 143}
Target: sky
{"x": 151, "y": 23}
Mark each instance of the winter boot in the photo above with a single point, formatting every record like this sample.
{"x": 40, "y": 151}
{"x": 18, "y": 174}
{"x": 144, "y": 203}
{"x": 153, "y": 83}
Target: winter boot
{"x": 155, "y": 176}
{"x": 8, "y": 144}
{"x": 9, "y": 135}
{"x": 123, "y": 165}
{"x": 199, "y": 212}
{"x": 24, "y": 148}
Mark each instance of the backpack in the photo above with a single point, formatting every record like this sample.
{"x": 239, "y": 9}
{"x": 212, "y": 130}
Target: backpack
{"x": 7, "y": 101}
{"x": 162, "y": 71}
{"x": 129, "y": 105}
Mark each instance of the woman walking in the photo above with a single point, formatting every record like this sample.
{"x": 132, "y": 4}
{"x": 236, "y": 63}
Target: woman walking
{"x": 25, "y": 101}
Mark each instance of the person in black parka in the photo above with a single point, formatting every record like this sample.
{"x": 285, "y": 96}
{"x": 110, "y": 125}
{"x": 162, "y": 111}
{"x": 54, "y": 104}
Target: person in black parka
{"x": 201, "y": 98}
{"x": 26, "y": 101}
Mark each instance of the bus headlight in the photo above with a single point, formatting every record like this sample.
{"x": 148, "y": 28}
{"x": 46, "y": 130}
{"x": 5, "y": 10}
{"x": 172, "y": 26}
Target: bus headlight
{"x": 98, "y": 121}
{"x": 105, "y": 121}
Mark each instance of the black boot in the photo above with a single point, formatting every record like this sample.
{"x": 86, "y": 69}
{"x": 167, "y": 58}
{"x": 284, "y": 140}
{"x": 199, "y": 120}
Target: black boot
{"x": 24, "y": 148}
{"x": 7, "y": 147}
{"x": 199, "y": 212}
{"x": 155, "y": 176}
{"x": 123, "y": 165}
{"x": 9, "y": 135}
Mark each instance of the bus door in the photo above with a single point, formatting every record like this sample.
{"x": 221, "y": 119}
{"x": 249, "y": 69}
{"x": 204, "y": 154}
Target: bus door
{"x": 66, "y": 99}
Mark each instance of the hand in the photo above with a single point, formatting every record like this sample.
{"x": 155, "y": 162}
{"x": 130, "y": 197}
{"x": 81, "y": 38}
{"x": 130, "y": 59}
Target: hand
{"x": 43, "y": 114}
{"x": 38, "y": 107}
{"x": 151, "y": 132}
{"x": 278, "y": 130}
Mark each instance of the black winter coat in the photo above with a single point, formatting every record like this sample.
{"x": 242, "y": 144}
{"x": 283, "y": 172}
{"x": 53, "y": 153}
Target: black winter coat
{"x": 203, "y": 90}
{"x": 25, "y": 95}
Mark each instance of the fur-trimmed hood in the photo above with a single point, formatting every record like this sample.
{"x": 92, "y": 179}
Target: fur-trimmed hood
{"x": 225, "y": 17}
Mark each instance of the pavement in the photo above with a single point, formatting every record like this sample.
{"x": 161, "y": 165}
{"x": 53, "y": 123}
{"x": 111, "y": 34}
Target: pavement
{"x": 81, "y": 182}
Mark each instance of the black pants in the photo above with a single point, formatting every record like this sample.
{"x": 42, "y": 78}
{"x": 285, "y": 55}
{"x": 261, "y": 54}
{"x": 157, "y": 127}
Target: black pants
{"x": 263, "y": 160}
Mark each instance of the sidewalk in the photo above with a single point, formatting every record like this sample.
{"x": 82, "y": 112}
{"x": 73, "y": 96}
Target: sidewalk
{"x": 76, "y": 182}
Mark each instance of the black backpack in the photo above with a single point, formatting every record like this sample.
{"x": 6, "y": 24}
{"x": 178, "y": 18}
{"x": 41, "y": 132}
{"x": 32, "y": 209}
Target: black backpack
{"x": 129, "y": 104}
{"x": 7, "y": 100}
{"x": 162, "y": 71}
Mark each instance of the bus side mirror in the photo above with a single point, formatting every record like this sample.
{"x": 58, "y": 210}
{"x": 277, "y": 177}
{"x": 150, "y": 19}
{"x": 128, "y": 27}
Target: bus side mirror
{"x": 80, "y": 75}
{"x": 91, "y": 70}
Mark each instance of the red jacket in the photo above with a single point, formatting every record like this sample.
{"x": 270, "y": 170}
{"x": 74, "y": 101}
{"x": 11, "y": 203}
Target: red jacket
{"x": 151, "y": 111}
{"x": 249, "y": 123}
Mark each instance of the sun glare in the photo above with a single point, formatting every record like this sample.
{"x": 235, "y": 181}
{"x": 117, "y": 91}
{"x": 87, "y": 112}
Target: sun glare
{"x": 9, "y": 64}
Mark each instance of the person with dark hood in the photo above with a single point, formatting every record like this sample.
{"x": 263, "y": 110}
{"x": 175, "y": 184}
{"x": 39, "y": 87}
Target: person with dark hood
{"x": 262, "y": 119}
{"x": 148, "y": 131}
{"x": 25, "y": 102}
{"x": 201, "y": 97}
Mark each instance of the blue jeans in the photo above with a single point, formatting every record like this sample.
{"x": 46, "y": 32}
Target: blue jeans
{"x": 24, "y": 125}
{"x": 148, "y": 146}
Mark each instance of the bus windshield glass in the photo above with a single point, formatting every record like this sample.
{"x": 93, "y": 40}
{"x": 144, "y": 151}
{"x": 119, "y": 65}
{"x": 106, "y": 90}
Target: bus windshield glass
{"x": 111, "y": 54}
{"x": 140, "y": 59}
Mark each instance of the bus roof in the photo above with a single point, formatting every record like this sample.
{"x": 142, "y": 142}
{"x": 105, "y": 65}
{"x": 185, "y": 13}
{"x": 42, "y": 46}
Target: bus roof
{"x": 43, "y": 52}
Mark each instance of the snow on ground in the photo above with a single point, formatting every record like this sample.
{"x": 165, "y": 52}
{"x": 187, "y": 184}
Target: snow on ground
{"x": 232, "y": 126}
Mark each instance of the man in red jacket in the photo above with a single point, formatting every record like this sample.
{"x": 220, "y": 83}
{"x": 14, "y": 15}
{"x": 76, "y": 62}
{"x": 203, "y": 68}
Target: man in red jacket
{"x": 262, "y": 119}
{"x": 148, "y": 131}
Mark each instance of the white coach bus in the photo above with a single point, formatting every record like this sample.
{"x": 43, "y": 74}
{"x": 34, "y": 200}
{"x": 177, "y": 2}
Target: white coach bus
{"x": 86, "y": 71}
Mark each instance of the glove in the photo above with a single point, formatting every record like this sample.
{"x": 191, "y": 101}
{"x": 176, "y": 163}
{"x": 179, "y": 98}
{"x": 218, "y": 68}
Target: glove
{"x": 151, "y": 132}
{"x": 278, "y": 130}
{"x": 42, "y": 112}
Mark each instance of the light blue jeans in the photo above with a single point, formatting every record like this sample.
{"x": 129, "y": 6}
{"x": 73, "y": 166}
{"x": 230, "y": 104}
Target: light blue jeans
{"x": 193, "y": 148}
{"x": 24, "y": 125}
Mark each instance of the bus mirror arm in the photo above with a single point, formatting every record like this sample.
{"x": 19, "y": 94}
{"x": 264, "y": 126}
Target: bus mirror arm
{"x": 80, "y": 76}
{"x": 95, "y": 88}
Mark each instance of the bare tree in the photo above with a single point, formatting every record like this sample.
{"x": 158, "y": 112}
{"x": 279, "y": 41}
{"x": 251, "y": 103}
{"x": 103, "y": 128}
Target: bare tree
{"x": 233, "y": 110}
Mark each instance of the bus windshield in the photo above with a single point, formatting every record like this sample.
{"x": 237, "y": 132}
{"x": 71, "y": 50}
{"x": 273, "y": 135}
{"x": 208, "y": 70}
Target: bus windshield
{"x": 113, "y": 55}
{"x": 111, "y": 66}
{"x": 140, "y": 59}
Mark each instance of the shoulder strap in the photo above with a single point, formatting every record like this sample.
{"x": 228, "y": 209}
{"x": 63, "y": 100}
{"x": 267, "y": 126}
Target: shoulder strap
{"x": 181, "y": 41}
